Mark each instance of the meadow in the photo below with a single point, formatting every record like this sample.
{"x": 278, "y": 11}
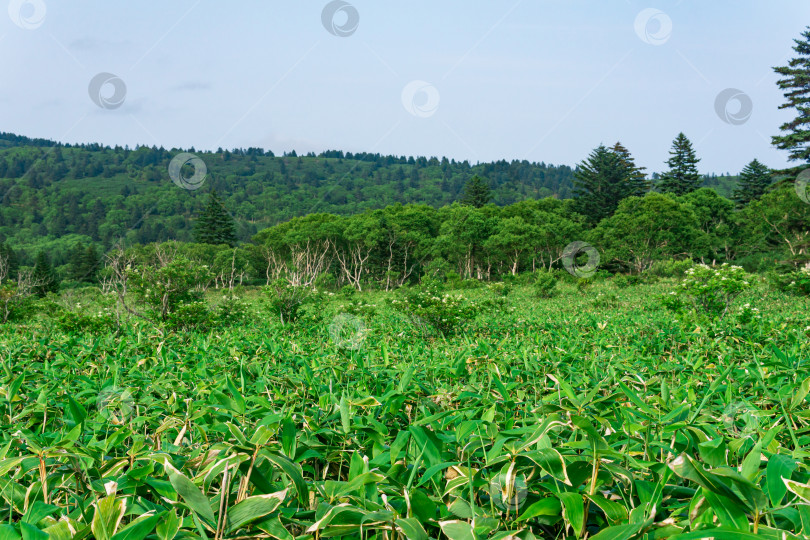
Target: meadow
{"x": 595, "y": 413}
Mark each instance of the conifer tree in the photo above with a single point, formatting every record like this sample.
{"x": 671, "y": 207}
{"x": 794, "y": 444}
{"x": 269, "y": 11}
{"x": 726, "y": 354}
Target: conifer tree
{"x": 795, "y": 82}
{"x": 45, "y": 279}
{"x": 606, "y": 177}
{"x": 476, "y": 192}
{"x": 637, "y": 183}
{"x": 754, "y": 181}
{"x": 215, "y": 225}
{"x": 682, "y": 176}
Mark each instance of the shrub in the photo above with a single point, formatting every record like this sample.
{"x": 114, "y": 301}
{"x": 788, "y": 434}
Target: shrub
{"x": 606, "y": 300}
{"x": 286, "y": 300}
{"x": 166, "y": 288}
{"x": 445, "y": 312}
{"x": 670, "y": 268}
{"x": 623, "y": 281}
{"x": 545, "y": 284}
{"x": 191, "y": 316}
{"x": 794, "y": 282}
{"x": 711, "y": 290}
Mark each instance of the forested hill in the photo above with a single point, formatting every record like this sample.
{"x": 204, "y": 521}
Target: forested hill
{"x": 56, "y": 195}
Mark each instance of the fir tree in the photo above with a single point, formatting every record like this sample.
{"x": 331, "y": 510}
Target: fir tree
{"x": 215, "y": 225}
{"x": 754, "y": 181}
{"x": 637, "y": 183}
{"x": 45, "y": 279}
{"x": 605, "y": 178}
{"x": 84, "y": 263}
{"x": 476, "y": 192}
{"x": 795, "y": 82}
{"x": 682, "y": 176}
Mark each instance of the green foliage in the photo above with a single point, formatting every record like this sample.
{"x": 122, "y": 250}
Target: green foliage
{"x": 429, "y": 304}
{"x": 711, "y": 290}
{"x": 545, "y": 284}
{"x": 286, "y": 300}
{"x": 794, "y": 282}
{"x": 215, "y": 225}
{"x": 793, "y": 81}
{"x": 44, "y": 278}
{"x": 605, "y": 178}
{"x": 476, "y": 192}
{"x": 166, "y": 288}
{"x": 669, "y": 268}
{"x": 755, "y": 179}
{"x": 682, "y": 176}
{"x": 578, "y": 413}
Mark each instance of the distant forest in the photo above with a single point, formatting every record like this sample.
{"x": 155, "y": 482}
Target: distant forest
{"x": 57, "y": 195}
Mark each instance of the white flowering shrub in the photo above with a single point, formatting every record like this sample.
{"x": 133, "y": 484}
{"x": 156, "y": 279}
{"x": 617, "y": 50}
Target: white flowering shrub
{"x": 709, "y": 289}
{"x": 447, "y": 313}
{"x": 747, "y": 314}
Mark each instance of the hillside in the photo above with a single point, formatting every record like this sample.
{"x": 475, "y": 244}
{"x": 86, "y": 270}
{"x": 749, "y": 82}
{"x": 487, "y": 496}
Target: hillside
{"x": 54, "y": 195}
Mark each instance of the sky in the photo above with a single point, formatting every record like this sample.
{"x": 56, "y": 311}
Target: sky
{"x": 542, "y": 80}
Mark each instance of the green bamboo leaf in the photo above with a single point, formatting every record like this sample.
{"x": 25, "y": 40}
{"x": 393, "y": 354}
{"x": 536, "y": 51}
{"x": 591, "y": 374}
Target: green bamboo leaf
{"x": 107, "y": 518}
{"x": 253, "y": 508}
{"x": 779, "y": 468}
{"x": 345, "y": 419}
{"x": 168, "y": 525}
{"x": 573, "y": 510}
{"x": 293, "y": 472}
{"x": 799, "y": 489}
{"x": 457, "y": 530}
{"x": 411, "y": 528}
{"x": 191, "y": 494}
{"x": 139, "y": 529}
{"x": 618, "y": 532}
{"x": 548, "y": 506}
{"x": 29, "y": 532}
{"x": 800, "y": 393}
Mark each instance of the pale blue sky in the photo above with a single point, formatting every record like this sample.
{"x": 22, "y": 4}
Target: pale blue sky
{"x": 544, "y": 80}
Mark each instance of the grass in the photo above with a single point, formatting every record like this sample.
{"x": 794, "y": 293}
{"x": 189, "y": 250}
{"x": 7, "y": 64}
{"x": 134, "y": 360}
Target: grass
{"x": 567, "y": 417}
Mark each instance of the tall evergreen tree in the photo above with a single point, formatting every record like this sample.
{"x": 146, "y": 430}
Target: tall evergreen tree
{"x": 45, "y": 279}
{"x": 795, "y": 82}
{"x": 754, "y": 181}
{"x": 605, "y": 178}
{"x": 215, "y": 225}
{"x": 637, "y": 183}
{"x": 476, "y": 192}
{"x": 84, "y": 263}
{"x": 682, "y": 176}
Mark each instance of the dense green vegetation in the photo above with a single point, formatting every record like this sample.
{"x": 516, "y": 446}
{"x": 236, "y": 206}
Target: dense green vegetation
{"x": 54, "y": 196}
{"x": 598, "y": 409}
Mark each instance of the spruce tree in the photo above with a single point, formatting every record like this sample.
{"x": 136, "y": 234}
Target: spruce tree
{"x": 601, "y": 181}
{"x": 215, "y": 225}
{"x": 476, "y": 192}
{"x": 682, "y": 176}
{"x": 754, "y": 181}
{"x": 795, "y": 82}
{"x": 637, "y": 183}
{"x": 84, "y": 263}
{"x": 45, "y": 279}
